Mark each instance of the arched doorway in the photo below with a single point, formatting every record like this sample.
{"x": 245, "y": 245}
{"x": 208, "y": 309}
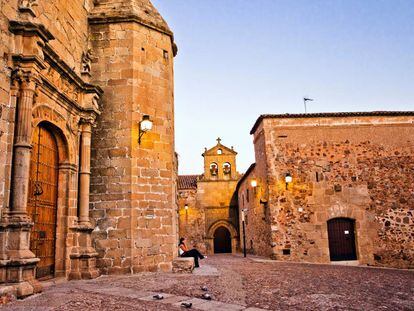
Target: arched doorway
{"x": 222, "y": 240}
{"x": 341, "y": 235}
{"x": 43, "y": 194}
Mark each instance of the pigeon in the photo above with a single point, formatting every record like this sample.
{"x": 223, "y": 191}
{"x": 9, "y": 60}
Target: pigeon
{"x": 206, "y": 296}
{"x": 204, "y": 288}
{"x": 187, "y": 305}
{"x": 158, "y": 297}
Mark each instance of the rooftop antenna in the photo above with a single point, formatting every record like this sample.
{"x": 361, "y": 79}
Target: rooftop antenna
{"x": 306, "y": 99}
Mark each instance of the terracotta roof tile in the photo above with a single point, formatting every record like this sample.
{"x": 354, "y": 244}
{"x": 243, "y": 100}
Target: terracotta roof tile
{"x": 187, "y": 181}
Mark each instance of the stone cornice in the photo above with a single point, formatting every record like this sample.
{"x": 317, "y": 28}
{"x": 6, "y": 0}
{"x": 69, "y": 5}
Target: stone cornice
{"x": 97, "y": 18}
{"x": 124, "y": 18}
{"x": 326, "y": 115}
{"x": 30, "y": 29}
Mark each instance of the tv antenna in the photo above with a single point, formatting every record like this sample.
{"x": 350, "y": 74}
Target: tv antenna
{"x": 306, "y": 99}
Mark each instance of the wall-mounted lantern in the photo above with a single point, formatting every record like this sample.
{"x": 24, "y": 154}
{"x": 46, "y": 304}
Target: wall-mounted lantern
{"x": 186, "y": 207}
{"x": 253, "y": 183}
{"x": 144, "y": 126}
{"x": 288, "y": 179}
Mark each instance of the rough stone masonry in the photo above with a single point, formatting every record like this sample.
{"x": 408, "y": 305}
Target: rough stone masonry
{"x": 79, "y": 195}
{"x": 346, "y": 167}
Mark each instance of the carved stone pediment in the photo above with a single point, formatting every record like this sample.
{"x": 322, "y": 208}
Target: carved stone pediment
{"x": 62, "y": 84}
{"x": 26, "y": 6}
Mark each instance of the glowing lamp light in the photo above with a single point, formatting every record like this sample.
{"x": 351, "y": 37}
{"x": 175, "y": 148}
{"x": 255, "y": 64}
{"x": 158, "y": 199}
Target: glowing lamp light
{"x": 144, "y": 126}
{"x": 186, "y": 207}
{"x": 288, "y": 179}
{"x": 253, "y": 183}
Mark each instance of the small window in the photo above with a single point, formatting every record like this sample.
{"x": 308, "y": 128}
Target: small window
{"x": 247, "y": 195}
{"x": 213, "y": 169}
{"x": 219, "y": 151}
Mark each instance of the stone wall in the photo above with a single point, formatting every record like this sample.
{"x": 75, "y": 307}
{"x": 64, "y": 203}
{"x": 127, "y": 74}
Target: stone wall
{"x": 192, "y": 220}
{"x": 7, "y": 107}
{"x": 355, "y": 167}
{"x": 256, "y": 213}
{"x": 133, "y": 195}
{"x": 218, "y": 199}
{"x": 68, "y": 22}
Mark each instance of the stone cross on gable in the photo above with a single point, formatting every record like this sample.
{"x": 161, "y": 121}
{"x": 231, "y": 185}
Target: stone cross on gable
{"x": 218, "y": 140}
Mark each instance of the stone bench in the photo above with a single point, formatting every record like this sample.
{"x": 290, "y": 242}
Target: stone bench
{"x": 183, "y": 265}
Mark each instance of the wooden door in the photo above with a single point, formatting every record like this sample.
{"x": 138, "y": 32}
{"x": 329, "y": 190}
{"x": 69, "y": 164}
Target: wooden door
{"x": 42, "y": 205}
{"x": 341, "y": 239}
{"x": 222, "y": 240}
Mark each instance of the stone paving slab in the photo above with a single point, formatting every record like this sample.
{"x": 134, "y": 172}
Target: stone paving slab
{"x": 174, "y": 299}
{"x": 151, "y": 297}
{"x": 120, "y": 292}
{"x": 197, "y": 303}
{"x": 217, "y": 305}
{"x": 206, "y": 270}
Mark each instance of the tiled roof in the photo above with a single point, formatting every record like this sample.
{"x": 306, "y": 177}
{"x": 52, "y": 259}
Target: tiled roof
{"x": 330, "y": 114}
{"x": 187, "y": 181}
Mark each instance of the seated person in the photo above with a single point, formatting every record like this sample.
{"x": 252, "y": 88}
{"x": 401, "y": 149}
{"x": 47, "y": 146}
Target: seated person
{"x": 184, "y": 252}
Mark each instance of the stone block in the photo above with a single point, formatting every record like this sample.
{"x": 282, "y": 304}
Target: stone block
{"x": 183, "y": 265}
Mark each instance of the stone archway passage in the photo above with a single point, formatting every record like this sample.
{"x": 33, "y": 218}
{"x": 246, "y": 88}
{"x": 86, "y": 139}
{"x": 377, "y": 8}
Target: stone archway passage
{"x": 42, "y": 204}
{"x": 341, "y": 234}
{"x": 222, "y": 240}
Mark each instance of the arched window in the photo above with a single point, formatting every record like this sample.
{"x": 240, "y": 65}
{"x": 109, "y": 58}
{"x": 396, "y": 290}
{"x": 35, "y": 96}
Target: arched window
{"x": 213, "y": 169}
{"x": 219, "y": 151}
{"x": 227, "y": 168}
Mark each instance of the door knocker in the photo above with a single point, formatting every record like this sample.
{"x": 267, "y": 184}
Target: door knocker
{"x": 38, "y": 190}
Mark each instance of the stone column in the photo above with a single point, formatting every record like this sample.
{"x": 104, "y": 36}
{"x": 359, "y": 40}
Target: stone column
{"x": 85, "y": 172}
{"x": 83, "y": 255}
{"x": 22, "y": 149}
{"x": 18, "y": 263}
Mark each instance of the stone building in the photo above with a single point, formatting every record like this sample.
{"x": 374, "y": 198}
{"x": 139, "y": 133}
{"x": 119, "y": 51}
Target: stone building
{"x": 81, "y": 190}
{"x": 332, "y": 187}
{"x": 208, "y": 213}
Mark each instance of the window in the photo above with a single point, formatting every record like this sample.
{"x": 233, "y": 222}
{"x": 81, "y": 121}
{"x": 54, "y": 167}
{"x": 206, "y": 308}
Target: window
{"x": 247, "y": 195}
{"x": 219, "y": 151}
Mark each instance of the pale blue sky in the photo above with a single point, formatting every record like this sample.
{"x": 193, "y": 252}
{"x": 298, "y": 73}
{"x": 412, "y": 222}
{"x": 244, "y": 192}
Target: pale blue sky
{"x": 238, "y": 59}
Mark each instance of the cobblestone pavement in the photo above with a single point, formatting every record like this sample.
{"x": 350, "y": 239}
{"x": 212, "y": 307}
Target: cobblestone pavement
{"x": 236, "y": 283}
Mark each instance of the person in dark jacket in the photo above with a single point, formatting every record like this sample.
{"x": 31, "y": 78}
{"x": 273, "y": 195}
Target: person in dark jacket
{"x": 184, "y": 252}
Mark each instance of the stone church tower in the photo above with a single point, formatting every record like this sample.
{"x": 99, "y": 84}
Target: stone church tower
{"x": 132, "y": 191}
{"x": 208, "y": 203}
{"x": 83, "y": 190}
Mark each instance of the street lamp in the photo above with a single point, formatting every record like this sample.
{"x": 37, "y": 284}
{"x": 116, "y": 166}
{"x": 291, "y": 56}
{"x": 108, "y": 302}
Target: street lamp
{"x": 244, "y": 231}
{"x": 186, "y": 213}
{"x": 288, "y": 179}
{"x": 253, "y": 183}
{"x": 144, "y": 126}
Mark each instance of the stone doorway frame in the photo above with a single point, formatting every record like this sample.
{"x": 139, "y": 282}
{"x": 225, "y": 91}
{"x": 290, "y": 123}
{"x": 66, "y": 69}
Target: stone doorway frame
{"x": 67, "y": 173}
{"x": 233, "y": 235}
